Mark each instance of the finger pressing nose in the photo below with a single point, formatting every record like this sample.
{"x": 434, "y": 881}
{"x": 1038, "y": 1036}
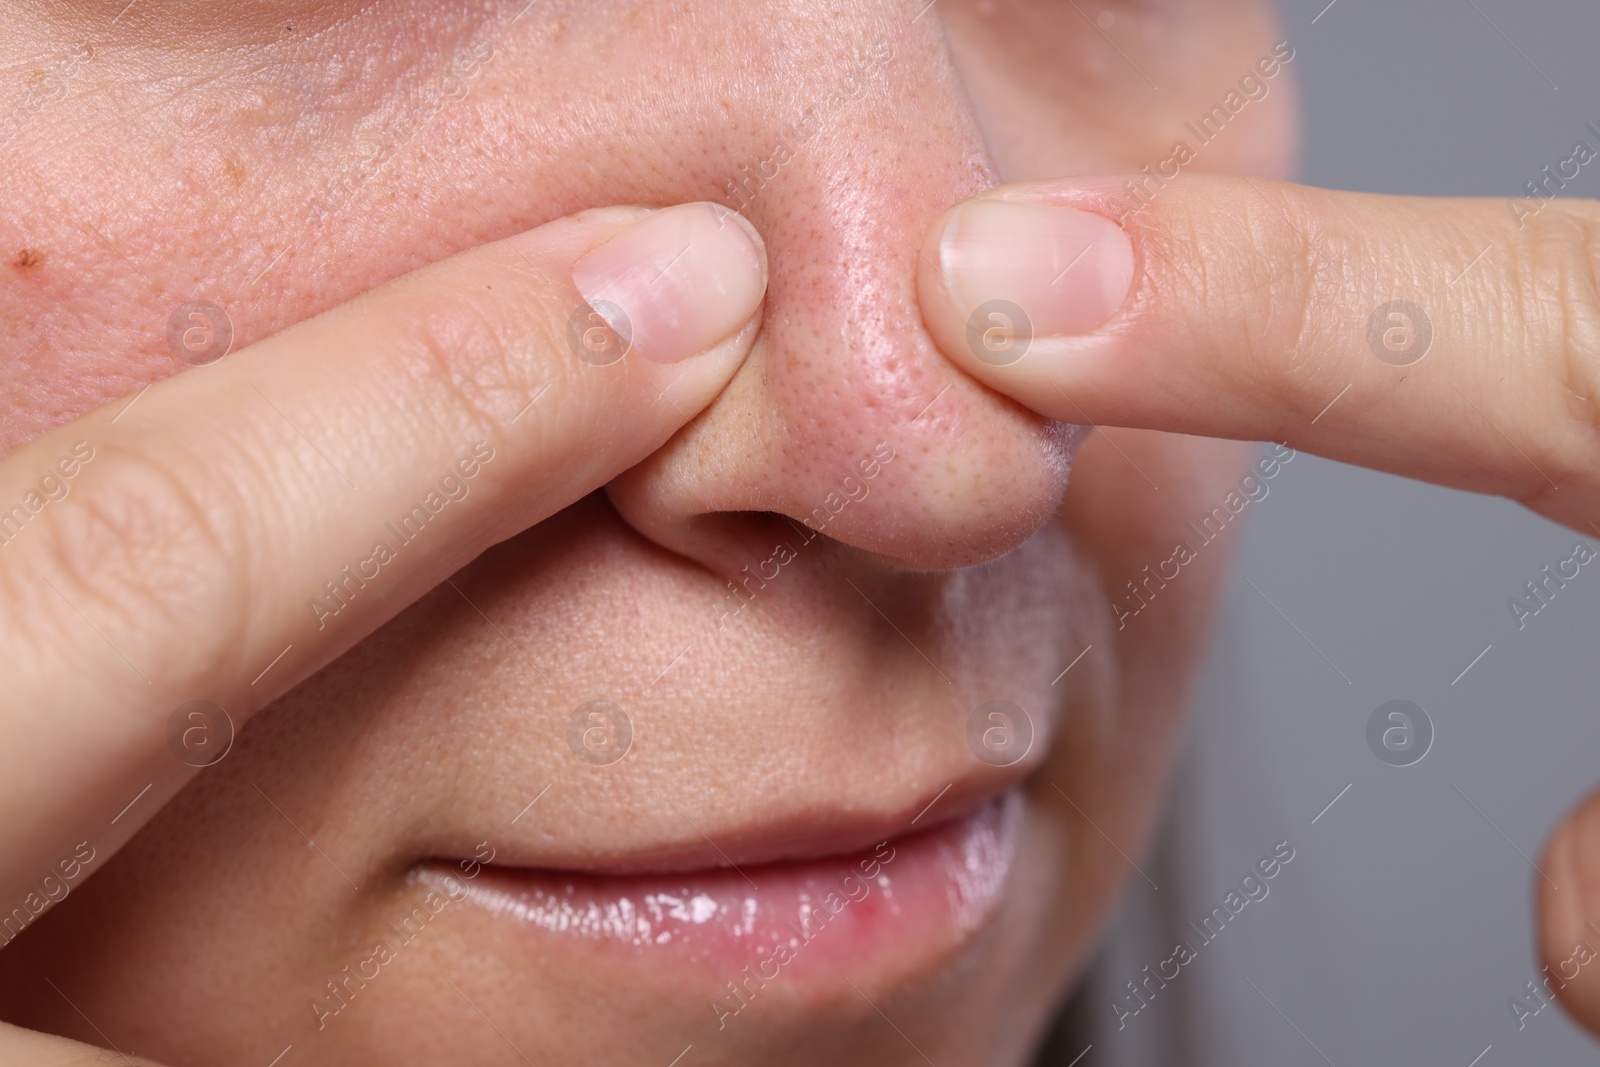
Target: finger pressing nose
{"x": 244, "y": 524}
{"x": 1448, "y": 340}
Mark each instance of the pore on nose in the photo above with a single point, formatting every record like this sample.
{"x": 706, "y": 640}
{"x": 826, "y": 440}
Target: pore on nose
{"x": 846, "y": 418}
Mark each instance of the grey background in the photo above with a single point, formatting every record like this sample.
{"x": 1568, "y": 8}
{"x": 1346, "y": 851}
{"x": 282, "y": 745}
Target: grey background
{"x": 1404, "y": 924}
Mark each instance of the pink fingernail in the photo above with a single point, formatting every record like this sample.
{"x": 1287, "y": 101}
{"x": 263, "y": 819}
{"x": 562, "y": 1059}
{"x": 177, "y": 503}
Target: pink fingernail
{"x": 1068, "y": 270}
{"x": 677, "y": 282}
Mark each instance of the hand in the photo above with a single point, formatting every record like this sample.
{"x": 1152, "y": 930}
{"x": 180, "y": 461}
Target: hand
{"x": 229, "y": 532}
{"x": 1455, "y": 341}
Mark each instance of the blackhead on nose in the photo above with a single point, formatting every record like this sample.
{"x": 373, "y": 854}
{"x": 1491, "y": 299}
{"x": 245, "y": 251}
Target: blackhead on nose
{"x": 846, "y": 419}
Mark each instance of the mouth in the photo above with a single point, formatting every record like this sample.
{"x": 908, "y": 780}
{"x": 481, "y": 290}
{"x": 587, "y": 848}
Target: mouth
{"x": 818, "y": 824}
{"x": 815, "y": 917}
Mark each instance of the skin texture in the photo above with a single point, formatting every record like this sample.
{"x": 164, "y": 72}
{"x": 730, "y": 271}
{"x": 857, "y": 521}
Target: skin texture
{"x": 211, "y": 164}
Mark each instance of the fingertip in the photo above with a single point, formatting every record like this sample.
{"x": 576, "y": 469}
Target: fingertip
{"x": 1569, "y": 901}
{"x": 678, "y": 281}
{"x": 1068, "y": 269}
{"x": 1022, "y": 287}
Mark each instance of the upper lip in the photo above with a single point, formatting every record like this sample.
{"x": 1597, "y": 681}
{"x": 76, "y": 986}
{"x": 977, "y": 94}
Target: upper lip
{"x": 801, "y": 837}
{"x": 817, "y": 726}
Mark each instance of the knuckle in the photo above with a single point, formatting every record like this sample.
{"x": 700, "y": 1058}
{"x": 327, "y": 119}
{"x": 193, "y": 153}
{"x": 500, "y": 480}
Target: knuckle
{"x": 1277, "y": 268}
{"x": 480, "y": 353}
{"x": 148, "y": 560}
{"x": 1556, "y": 286}
{"x": 1580, "y": 311}
{"x": 1306, "y": 324}
{"x": 1319, "y": 343}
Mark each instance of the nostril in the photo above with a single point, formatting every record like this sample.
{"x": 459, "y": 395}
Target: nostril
{"x": 764, "y": 550}
{"x": 751, "y": 549}
{"x": 817, "y": 501}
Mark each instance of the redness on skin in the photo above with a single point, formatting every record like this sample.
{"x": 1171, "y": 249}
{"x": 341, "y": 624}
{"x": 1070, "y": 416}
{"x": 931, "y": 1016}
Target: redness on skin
{"x": 924, "y": 889}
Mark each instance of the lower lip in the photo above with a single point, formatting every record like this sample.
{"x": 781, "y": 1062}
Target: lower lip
{"x": 929, "y": 890}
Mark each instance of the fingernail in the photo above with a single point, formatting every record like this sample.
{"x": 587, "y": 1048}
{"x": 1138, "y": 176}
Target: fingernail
{"x": 678, "y": 281}
{"x": 1068, "y": 270}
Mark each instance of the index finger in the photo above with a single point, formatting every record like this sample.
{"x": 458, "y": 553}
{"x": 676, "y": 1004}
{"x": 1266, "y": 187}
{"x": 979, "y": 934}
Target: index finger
{"x": 1451, "y": 340}
{"x": 229, "y": 532}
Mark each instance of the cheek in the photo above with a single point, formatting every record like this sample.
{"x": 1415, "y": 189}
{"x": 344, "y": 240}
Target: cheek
{"x": 1058, "y": 95}
{"x": 1124, "y": 702}
{"x": 271, "y": 182}
{"x": 1269, "y": 145}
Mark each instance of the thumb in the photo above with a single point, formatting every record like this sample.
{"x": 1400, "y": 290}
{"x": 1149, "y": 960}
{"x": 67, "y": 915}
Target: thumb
{"x": 1568, "y": 894}
{"x": 1452, "y": 340}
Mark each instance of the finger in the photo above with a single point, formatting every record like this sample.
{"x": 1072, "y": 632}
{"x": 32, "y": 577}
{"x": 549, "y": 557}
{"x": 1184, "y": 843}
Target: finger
{"x": 238, "y": 526}
{"x": 1451, "y": 340}
{"x": 1569, "y": 923}
{"x": 46, "y": 1050}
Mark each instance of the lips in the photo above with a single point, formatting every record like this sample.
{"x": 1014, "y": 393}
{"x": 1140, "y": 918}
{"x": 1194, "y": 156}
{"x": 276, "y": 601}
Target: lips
{"x": 812, "y": 917}
{"x": 766, "y": 765}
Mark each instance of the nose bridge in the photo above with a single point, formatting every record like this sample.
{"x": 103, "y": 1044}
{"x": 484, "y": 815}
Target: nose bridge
{"x": 846, "y": 418}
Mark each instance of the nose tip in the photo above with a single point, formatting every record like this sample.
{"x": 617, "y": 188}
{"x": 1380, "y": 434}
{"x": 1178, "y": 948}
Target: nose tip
{"x": 846, "y": 420}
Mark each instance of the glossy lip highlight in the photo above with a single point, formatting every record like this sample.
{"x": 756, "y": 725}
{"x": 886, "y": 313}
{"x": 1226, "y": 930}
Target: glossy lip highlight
{"x": 911, "y": 893}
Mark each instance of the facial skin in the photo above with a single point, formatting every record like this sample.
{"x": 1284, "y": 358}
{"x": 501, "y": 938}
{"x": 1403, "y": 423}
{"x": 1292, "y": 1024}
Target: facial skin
{"x": 278, "y": 160}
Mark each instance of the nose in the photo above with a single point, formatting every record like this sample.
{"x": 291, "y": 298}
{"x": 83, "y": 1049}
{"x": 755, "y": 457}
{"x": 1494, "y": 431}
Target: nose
{"x": 846, "y": 422}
